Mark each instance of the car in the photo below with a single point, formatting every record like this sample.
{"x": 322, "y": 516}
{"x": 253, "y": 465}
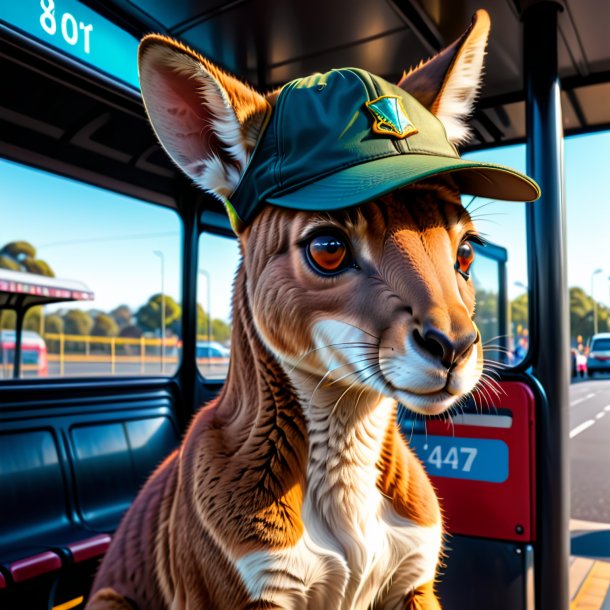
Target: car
{"x": 211, "y": 349}
{"x": 599, "y": 355}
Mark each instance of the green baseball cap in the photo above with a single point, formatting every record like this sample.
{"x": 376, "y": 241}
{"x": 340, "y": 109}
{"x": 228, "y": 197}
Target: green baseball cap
{"x": 343, "y": 138}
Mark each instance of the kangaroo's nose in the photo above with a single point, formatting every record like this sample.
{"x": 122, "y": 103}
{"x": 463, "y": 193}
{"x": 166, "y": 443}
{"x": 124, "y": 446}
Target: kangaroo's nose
{"x": 440, "y": 346}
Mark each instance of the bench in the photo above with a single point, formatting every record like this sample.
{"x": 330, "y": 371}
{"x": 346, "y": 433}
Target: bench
{"x": 67, "y": 475}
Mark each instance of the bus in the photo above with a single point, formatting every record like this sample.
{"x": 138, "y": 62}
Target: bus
{"x": 33, "y": 353}
{"x": 97, "y": 389}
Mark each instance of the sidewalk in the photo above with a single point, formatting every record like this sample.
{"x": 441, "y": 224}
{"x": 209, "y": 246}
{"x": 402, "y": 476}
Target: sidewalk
{"x": 589, "y": 578}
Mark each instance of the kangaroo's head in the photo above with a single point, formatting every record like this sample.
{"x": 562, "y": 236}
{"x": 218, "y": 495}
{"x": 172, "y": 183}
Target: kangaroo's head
{"x": 371, "y": 296}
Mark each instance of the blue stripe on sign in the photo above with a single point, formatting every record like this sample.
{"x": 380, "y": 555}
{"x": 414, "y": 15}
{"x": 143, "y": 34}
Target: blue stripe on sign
{"x": 75, "y": 29}
{"x": 475, "y": 459}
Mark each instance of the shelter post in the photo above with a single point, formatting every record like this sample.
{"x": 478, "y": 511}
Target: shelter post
{"x": 549, "y": 309}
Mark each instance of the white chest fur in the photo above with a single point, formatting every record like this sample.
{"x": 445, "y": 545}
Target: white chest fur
{"x": 355, "y": 550}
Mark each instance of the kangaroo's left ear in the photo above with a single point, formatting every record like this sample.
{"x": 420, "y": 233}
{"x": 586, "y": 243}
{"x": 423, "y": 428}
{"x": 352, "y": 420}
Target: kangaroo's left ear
{"x": 448, "y": 83}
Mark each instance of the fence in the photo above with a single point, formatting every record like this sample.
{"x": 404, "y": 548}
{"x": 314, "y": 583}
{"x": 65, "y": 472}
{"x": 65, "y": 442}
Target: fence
{"x": 111, "y": 350}
{"x": 68, "y": 355}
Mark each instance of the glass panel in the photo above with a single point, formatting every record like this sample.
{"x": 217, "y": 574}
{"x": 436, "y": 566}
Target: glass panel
{"x": 218, "y": 261}
{"x": 601, "y": 345}
{"x": 125, "y": 251}
{"x": 502, "y": 223}
{"x": 486, "y": 277}
{"x": 588, "y": 267}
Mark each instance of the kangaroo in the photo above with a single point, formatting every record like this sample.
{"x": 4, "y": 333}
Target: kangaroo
{"x": 294, "y": 488}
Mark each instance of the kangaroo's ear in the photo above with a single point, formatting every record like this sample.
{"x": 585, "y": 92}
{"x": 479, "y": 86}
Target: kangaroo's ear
{"x": 207, "y": 120}
{"x": 448, "y": 83}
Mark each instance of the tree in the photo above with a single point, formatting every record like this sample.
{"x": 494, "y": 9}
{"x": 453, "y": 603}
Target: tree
{"x": 19, "y": 250}
{"x": 149, "y": 315}
{"x": 487, "y": 314}
{"x": 221, "y": 330}
{"x": 77, "y": 322}
{"x": 53, "y": 324}
{"x": 519, "y": 312}
{"x": 37, "y": 266}
{"x": 131, "y": 332}
{"x": 122, "y": 315}
{"x": 32, "y": 319}
{"x": 105, "y": 326}
{"x": 8, "y": 319}
{"x": 581, "y": 314}
{"x": 202, "y": 320}
{"x": 6, "y": 262}
{"x": 21, "y": 256}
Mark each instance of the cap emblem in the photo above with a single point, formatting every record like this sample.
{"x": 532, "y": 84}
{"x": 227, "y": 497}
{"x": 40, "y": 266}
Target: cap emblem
{"x": 390, "y": 117}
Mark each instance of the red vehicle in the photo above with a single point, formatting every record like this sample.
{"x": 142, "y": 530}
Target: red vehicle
{"x": 34, "y": 360}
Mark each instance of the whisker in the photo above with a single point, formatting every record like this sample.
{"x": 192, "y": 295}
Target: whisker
{"x": 472, "y": 200}
{"x": 357, "y": 371}
{"x": 366, "y": 332}
{"x": 350, "y": 344}
{"x": 330, "y": 372}
{"x": 482, "y": 389}
{"x": 351, "y": 385}
{"x": 494, "y": 338}
{"x": 413, "y": 426}
{"x": 482, "y": 206}
{"x": 492, "y": 385}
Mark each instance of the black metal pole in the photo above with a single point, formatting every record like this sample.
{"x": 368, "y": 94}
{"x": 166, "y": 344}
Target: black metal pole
{"x": 549, "y": 310}
{"x": 503, "y": 318}
{"x": 20, "y": 315}
{"x": 188, "y": 204}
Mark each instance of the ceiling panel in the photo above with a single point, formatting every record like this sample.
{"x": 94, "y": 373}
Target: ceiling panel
{"x": 278, "y": 33}
{"x": 591, "y": 19}
{"x": 174, "y": 12}
{"x": 595, "y": 103}
{"x": 270, "y": 42}
{"x": 569, "y": 113}
{"x": 387, "y": 56}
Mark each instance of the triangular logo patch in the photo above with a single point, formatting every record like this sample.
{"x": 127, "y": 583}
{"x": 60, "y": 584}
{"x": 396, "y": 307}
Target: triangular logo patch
{"x": 390, "y": 117}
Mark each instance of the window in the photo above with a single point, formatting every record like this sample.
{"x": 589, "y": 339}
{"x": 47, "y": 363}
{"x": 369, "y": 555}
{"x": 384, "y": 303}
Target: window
{"x": 57, "y": 231}
{"x": 218, "y": 261}
{"x": 503, "y": 319}
{"x": 601, "y": 345}
{"x": 490, "y": 313}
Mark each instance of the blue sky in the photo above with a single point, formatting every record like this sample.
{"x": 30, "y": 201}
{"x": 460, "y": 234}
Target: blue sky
{"x": 108, "y": 240}
{"x": 587, "y": 168}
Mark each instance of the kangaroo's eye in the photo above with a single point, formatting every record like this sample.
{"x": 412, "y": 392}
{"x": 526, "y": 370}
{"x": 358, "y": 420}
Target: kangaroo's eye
{"x": 328, "y": 254}
{"x": 464, "y": 259}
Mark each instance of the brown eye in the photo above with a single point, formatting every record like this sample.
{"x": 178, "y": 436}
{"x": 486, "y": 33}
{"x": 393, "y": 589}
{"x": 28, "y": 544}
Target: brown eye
{"x": 328, "y": 254}
{"x": 464, "y": 259}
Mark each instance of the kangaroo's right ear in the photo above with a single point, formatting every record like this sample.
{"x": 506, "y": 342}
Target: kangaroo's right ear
{"x": 207, "y": 121}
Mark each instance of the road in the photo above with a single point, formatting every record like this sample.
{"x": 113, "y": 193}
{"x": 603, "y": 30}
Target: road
{"x": 590, "y": 449}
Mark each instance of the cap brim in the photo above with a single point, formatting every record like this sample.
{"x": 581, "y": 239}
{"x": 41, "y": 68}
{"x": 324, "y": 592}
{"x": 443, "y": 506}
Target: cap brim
{"x": 361, "y": 183}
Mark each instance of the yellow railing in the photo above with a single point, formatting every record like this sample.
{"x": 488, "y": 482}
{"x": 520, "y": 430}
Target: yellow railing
{"x": 63, "y": 351}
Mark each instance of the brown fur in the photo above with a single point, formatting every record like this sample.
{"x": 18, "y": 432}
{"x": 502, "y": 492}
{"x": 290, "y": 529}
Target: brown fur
{"x": 237, "y": 485}
{"x": 294, "y": 489}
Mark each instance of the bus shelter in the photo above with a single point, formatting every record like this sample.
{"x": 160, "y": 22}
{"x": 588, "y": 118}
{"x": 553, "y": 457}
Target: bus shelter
{"x": 548, "y": 74}
{"x": 20, "y": 291}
